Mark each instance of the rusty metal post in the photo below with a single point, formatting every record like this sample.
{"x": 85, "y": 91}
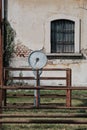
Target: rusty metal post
{"x": 1, "y": 60}
{"x": 5, "y": 74}
{"x": 68, "y": 83}
{"x": 37, "y": 92}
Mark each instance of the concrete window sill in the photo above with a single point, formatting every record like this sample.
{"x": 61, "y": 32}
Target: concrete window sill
{"x": 64, "y": 55}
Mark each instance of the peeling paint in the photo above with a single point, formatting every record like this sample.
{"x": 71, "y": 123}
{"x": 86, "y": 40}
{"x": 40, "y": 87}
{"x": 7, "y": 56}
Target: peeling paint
{"x": 22, "y": 50}
{"x": 28, "y": 19}
{"x": 84, "y": 51}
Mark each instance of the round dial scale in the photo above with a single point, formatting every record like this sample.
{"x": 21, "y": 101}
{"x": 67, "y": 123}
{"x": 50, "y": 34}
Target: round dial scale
{"x": 37, "y": 60}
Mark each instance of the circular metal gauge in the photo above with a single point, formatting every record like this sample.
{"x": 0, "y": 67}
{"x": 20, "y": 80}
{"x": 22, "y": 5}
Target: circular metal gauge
{"x": 37, "y": 60}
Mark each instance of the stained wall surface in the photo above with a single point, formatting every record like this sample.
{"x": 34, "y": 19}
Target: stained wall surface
{"x": 30, "y": 20}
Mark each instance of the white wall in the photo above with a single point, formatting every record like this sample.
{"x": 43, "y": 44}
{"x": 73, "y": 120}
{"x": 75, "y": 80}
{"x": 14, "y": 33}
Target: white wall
{"x": 29, "y": 17}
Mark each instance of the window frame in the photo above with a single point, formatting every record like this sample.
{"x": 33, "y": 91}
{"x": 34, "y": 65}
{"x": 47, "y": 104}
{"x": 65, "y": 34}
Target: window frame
{"x": 65, "y": 29}
{"x": 48, "y": 33}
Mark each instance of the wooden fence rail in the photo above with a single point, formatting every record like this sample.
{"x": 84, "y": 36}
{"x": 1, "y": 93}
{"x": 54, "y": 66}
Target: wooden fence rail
{"x": 54, "y": 118}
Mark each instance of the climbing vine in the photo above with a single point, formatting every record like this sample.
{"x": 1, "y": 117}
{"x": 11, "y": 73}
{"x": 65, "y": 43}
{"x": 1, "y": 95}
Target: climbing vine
{"x": 9, "y": 35}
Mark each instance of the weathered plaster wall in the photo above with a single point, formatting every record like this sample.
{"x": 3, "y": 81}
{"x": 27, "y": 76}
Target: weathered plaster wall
{"x": 28, "y": 18}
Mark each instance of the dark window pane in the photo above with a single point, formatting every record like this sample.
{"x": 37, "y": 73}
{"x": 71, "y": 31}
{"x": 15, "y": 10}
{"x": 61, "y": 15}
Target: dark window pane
{"x": 62, "y": 36}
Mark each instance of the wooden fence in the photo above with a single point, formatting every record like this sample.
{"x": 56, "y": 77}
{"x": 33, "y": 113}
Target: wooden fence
{"x": 68, "y": 96}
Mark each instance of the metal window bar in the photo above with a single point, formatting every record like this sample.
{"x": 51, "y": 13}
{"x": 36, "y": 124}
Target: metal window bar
{"x": 62, "y": 36}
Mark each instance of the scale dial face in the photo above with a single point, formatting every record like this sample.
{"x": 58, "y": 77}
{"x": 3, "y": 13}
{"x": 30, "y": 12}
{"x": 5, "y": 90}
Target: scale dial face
{"x": 37, "y": 60}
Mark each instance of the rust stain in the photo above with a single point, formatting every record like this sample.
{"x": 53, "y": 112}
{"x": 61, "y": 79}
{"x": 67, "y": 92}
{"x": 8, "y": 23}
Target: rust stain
{"x": 64, "y": 63}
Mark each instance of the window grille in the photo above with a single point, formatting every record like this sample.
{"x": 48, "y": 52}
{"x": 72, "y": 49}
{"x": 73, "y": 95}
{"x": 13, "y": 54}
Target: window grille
{"x": 62, "y": 36}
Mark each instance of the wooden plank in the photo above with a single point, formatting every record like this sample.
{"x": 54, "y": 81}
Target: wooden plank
{"x": 44, "y": 87}
{"x": 30, "y": 69}
{"x": 44, "y": 121}
{"x": 45, "y": 106}
{"x": 32, "y": 95}
{"x": 32, "y": 78}
{"x": 68, "y": 84}
{"x": 1, "y": 59}
{"x": 70, "y": 115}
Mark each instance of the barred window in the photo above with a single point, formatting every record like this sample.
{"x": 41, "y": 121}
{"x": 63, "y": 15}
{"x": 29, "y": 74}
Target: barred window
{"x": 62, "y": 36}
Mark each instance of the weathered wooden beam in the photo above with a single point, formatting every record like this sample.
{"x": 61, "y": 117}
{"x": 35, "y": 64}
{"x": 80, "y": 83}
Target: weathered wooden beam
{"x": 68, "y": 84}
{"x": 43, "y": 121}
{"x": 70, "y": 115}
{"x": 1, "y": 59}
